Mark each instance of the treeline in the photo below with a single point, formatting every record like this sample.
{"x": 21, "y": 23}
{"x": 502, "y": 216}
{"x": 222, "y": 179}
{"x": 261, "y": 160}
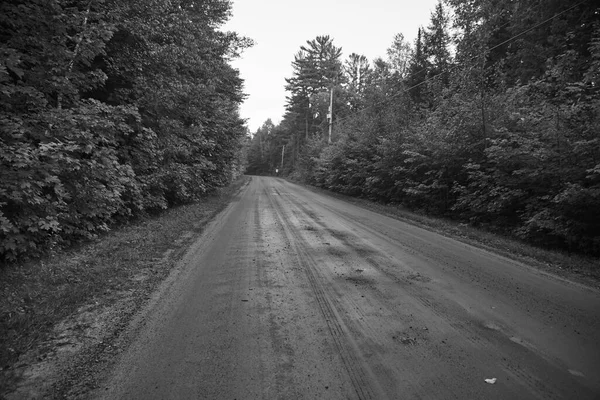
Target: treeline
{"x": 492, "y": 117}
{"x": 111, "y": 109}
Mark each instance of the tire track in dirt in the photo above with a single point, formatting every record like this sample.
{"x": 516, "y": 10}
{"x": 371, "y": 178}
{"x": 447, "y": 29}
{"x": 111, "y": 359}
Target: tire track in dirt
{"x": 362, "y": 380}
{"x": 480, "y": 336}
{"x": 292, "y": 295}
{"x": 378, "y": 338}
{"x": 355, "y": 250}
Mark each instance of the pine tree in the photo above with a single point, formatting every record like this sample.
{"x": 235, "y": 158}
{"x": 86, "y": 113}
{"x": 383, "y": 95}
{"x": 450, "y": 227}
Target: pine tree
{"x": 418, "y": 69}
{"x": 436, "y": 42}
{"x": 317, "y": 71}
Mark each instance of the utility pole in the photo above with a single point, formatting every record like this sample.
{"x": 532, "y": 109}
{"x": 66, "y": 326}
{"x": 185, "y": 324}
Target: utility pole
{"x": 330, "y": 114}
{"x": 282, "y": 153}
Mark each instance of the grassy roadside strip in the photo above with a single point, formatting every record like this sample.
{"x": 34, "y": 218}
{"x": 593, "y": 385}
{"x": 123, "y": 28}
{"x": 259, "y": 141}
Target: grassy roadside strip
{"x": 127, "y": 263}
{"x": 584, "y": 270}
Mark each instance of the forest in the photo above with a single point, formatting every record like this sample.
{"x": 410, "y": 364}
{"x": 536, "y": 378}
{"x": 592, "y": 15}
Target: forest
{"x": 491, "y": 117}
{"x": 111, "y": 110}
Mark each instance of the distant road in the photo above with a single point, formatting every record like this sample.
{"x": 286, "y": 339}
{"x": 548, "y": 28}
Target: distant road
{"x": 291, "y": 294}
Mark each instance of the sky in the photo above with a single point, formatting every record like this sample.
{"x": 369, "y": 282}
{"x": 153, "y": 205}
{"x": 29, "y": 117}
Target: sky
{"x": 280, "y": 27}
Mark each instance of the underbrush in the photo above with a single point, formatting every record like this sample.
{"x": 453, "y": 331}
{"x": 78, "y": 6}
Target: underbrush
{"x": 35, "y": 296}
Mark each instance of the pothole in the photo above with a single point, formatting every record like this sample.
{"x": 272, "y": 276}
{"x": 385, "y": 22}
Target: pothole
{"x": 418, "y": 277}
{"x": 411, "y": 336}
{"x": 359, "y": 280}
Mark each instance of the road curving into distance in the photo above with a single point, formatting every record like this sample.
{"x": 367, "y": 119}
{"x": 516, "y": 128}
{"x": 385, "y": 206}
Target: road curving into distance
{"x": 291, "y": 294}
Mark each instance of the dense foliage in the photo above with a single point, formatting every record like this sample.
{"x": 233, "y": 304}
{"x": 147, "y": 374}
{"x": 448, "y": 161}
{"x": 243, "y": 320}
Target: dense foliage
{"x": 111, "y": 109}
{"x": 491, "y": 117}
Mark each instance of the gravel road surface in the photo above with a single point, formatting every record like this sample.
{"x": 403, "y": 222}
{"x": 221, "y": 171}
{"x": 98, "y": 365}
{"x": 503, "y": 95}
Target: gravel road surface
{"x": 291, "y": 294}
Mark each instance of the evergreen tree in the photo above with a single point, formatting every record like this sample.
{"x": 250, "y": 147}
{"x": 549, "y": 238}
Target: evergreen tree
{"x": 418, "y": 69}
{"x": 358, "y": 75}
{"x": 317, "y": 71}
{"x": 436, "y": 42}
{"x": 505, "y": 135}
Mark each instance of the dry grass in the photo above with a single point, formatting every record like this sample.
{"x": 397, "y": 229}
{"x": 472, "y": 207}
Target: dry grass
{"x": 37, "y": 295}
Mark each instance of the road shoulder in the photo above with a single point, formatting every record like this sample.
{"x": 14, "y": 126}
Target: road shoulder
{"x": 63, "y": 317}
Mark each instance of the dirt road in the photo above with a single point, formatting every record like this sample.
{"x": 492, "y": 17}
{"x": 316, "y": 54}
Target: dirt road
{"x": 291, "y": 294}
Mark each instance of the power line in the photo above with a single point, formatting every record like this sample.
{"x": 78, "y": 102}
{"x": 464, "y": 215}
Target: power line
{"x": 459, "y": 65}
{"x": 424, "y": 69}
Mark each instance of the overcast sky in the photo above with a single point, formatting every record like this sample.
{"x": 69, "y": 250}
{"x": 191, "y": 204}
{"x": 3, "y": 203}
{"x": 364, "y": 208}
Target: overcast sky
{"x": 280, "y": 27}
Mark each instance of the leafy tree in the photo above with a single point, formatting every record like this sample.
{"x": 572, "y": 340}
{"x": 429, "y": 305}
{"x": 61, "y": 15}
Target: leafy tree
{"x": 357, "y": 71}
{"x": 110, "y": 110}
{"x": 502, "y": 135}
{"x": 399, "y": 55}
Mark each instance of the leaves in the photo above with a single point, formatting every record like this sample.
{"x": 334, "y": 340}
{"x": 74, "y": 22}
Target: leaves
{"x": 499, "y": 130}
{"x": 110, "y": 110}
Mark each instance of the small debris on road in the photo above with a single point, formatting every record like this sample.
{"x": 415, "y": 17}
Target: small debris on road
{"x": 407, "y": 340}
{"x": 491, "y": 381}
